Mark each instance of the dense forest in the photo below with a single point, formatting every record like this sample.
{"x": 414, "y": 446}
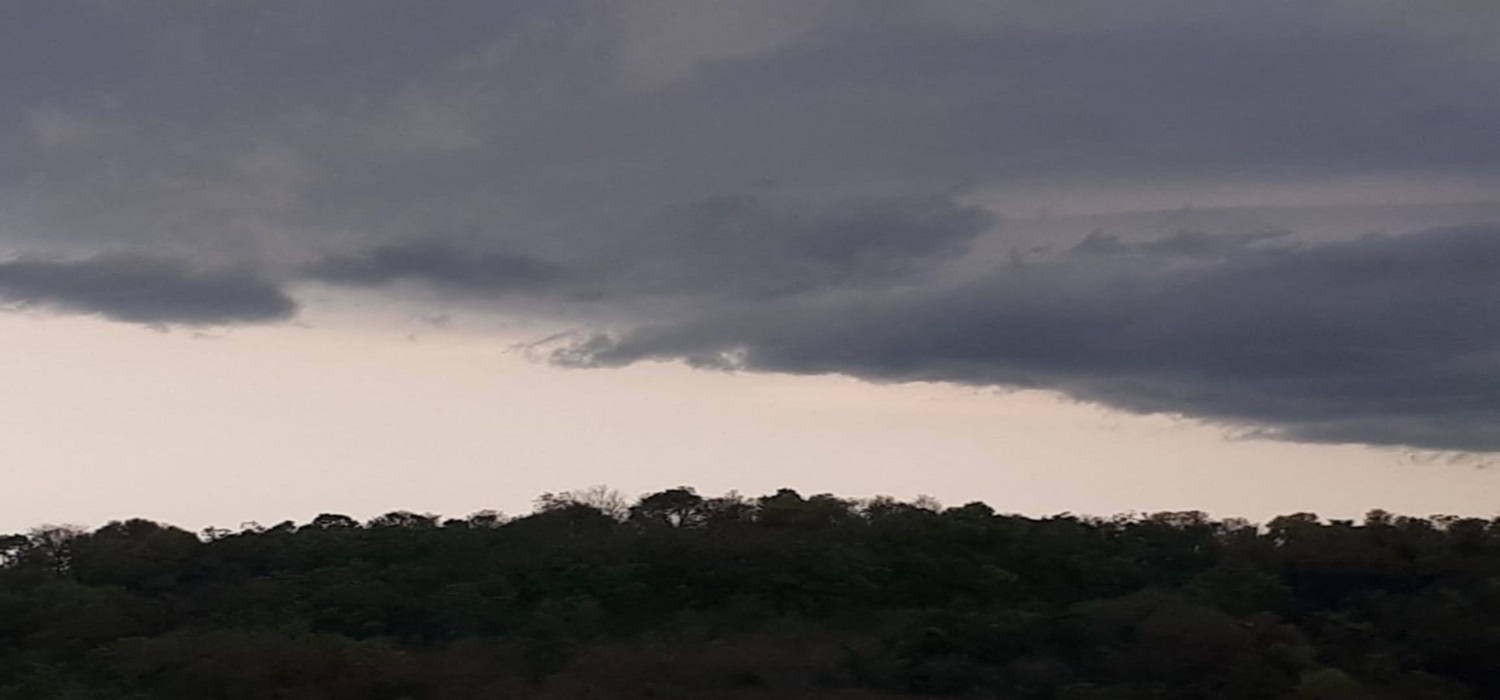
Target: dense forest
{"x": 676, "y": 595}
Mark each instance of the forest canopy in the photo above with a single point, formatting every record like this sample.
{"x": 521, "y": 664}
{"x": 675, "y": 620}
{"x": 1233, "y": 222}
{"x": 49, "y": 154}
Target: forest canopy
{"x": 679, "y": 595}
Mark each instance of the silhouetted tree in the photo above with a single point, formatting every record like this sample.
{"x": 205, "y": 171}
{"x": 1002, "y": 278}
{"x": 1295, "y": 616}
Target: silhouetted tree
{"x": 781, "y": 596}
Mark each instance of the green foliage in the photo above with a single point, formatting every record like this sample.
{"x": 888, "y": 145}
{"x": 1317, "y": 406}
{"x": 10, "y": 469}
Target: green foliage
{"x": 681, "y": 595}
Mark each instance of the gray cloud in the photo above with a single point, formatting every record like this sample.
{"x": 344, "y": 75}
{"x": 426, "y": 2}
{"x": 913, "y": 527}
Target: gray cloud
{"x": 1381, "y": 340}
{"x": 444, "y": 266}
{"x": 141, "y": 289}
{"x": 766, "y": 247}
{"x": 748, "y": 247}
{"x": 356, "y": 123}
{"x": 823, "y": 184}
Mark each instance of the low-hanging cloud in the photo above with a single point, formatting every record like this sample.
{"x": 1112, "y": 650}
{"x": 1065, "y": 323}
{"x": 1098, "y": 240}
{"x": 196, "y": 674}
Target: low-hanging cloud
{"x": 283, "y": 126}
{"x": 799, "y": 186}
{"x": 1391, "y": 340}
{"x": 444, "y": 266}
{"x": 760, "y": 247}
{"x": 142, "y": 289}
{"x": 735, "y": 248}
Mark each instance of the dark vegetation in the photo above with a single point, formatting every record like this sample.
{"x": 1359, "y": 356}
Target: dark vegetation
{"x": 679, "y": 596}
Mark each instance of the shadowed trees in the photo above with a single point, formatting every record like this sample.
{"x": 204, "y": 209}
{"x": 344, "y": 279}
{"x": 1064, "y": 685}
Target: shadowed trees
{"x": 684, "y": 596}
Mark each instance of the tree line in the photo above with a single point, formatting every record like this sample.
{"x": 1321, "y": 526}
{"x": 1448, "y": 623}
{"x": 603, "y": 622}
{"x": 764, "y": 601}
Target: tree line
{"x": 678, "y": 595}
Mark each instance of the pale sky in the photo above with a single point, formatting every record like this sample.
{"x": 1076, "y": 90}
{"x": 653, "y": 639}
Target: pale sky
{"x": 109, "y": 421}
{"x": 266, "y": 260}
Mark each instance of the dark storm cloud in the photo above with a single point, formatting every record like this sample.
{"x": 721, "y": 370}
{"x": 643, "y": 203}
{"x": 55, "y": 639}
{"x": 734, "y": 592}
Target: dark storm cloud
{"x": 746, "y": 247}
{"x": 821, "y": 183}
{"x": 1269, "y": 97}
{"x": 370, "y": 119}
{"x": 762, "y": 247}
{"x": 1382, "y": 340}
{"x": 141, "y": 289}
{"x": 441, "y": 265}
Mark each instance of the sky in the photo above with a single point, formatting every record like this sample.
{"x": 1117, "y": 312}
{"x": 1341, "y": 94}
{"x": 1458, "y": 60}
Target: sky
{"x": 260, "y": 261}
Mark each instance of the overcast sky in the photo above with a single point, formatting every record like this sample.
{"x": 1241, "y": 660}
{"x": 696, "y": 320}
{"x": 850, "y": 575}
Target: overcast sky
{"x": 261, "y": 260}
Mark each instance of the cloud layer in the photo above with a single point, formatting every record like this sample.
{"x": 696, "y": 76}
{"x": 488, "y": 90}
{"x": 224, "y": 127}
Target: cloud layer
{"x": 138, "y": 288}
{"x": 802, "y": 186}
{"x": 1381, "y": 340}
